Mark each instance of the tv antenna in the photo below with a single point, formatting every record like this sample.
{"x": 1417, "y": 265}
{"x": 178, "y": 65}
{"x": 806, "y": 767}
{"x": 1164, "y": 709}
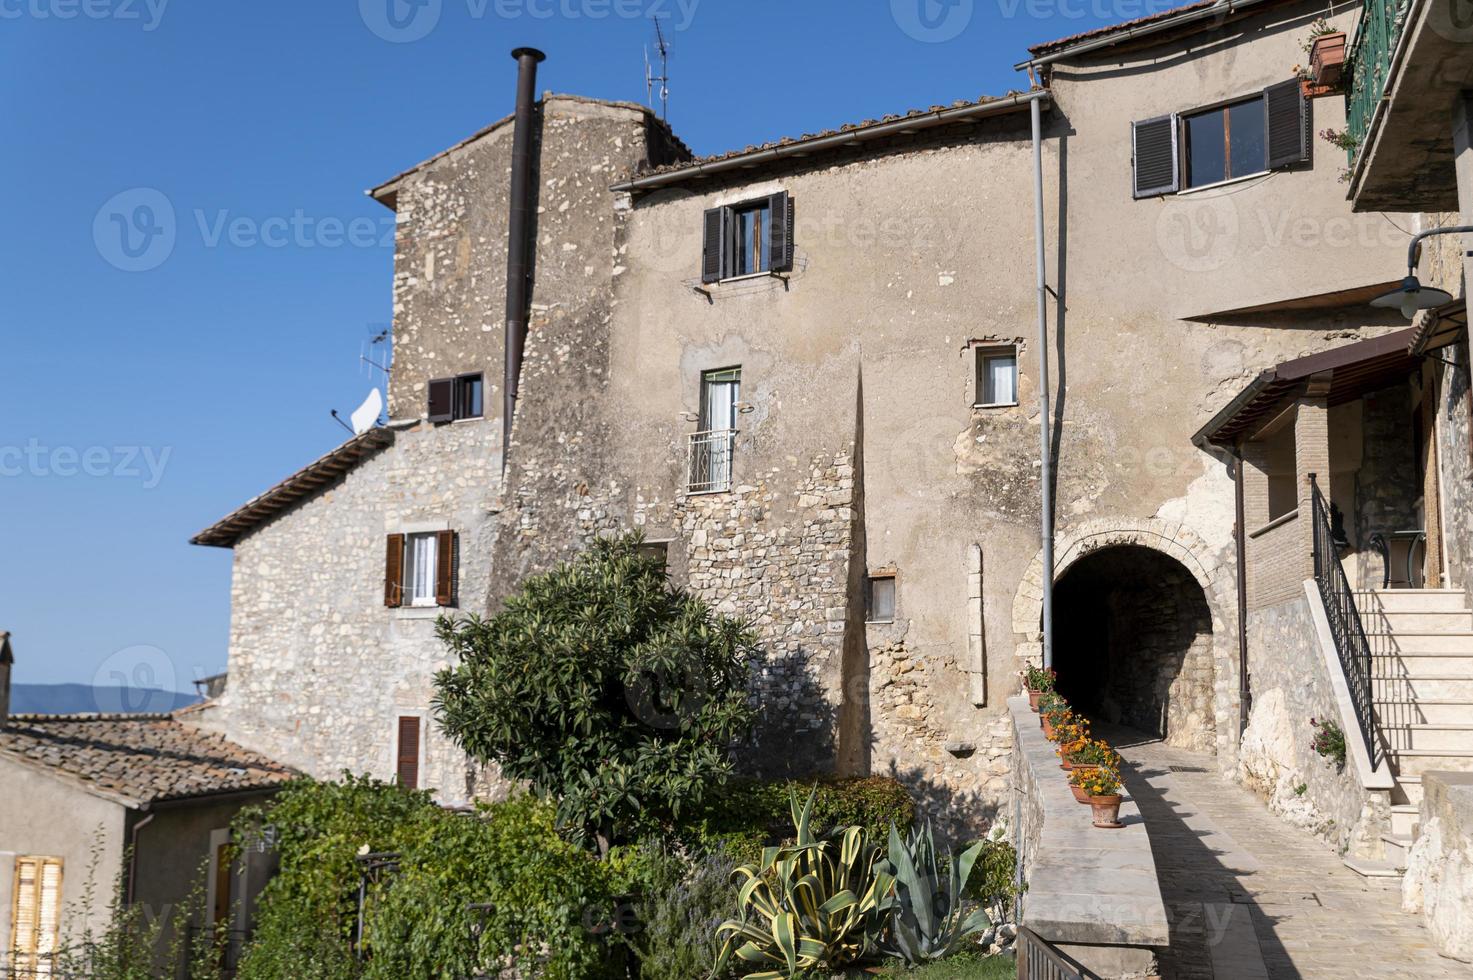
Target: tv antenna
{"x": 662, "y": 47}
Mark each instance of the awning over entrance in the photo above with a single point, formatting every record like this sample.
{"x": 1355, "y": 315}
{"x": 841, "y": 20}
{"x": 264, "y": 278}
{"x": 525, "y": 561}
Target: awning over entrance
{"x": 1350, "y": 372}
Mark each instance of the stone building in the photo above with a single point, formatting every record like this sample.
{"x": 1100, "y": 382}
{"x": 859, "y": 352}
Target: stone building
{"x": 810, "y": 371}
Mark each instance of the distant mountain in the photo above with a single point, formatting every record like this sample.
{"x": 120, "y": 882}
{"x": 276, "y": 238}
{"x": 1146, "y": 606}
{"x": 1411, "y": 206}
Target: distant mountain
{"x": 74, "y": 699}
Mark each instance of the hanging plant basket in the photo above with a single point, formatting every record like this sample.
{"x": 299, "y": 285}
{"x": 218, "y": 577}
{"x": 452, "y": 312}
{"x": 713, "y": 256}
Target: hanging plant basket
{"x": 1327, "y": 59}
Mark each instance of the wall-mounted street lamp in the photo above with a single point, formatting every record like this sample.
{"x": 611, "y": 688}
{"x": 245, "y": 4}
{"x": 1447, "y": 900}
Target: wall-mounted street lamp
{"x": 1411, "y": 295}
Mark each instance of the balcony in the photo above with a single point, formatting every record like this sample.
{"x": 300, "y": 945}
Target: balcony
{"x": 1408, "y": 63}
{"x": 711, "y": 456}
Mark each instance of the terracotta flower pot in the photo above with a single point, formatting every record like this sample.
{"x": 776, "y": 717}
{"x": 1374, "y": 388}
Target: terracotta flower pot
{"x": 1327, "y": 58}
{"x": 1048, "y": 730}
{"x": 1033, "y": 698}
{"x": 1079, "y": 794}
{"x": 1106, "y": 811}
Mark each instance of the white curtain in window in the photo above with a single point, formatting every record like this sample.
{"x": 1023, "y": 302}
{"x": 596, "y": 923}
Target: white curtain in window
{"x": 1001, "y": 377}
{"x": 422, "y": 569}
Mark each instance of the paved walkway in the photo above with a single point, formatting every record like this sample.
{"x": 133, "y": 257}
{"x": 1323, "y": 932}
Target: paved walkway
{"x": 1219, "y": 853}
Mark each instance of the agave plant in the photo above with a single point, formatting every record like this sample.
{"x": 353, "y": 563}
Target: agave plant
{"x": 814, "y": 903}
{"x": 927, "y": 919}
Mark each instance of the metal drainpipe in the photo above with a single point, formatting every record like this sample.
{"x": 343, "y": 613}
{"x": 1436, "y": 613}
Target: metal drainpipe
{"x": 1240, "y": 535}
{"x": 519, "y": 237}
{"x": 1046, "y": 502}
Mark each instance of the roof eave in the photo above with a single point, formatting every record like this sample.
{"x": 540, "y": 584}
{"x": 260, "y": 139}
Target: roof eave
{"x": 799, "y": 148}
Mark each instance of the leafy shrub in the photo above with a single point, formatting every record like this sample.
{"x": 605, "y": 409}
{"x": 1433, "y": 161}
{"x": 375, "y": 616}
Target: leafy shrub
{"x": 746, "y": 815}
{"x": 818, "y": 903}
{"x": 926, "y": 914}
{"x": 993, "y": 881}
{"x": 604, "y": 688}
{"x": 541, "y": 903}
{"x": 679, "y": 902}
{"x": 539, "y": 890}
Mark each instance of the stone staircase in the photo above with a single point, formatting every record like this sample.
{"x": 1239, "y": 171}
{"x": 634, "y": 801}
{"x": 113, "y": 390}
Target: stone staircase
{"x": 1422, "y": 684}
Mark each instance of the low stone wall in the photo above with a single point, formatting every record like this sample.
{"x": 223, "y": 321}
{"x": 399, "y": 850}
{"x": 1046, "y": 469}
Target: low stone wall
{"x": 1439, "y": 876}
{"x": 1091, "y": 892}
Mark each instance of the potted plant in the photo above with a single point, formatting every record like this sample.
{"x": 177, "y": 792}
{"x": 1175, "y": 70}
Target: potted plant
{"x": 1050, "y": 701}
{"x": 1070, "y": 737}
{"x": 1090, "y": 753}
{"x": 1326, "y": 48}
{"x": 1053, "y": 714}
{"x": 1100, "y": 787}
{"x": 1037, "y": 681}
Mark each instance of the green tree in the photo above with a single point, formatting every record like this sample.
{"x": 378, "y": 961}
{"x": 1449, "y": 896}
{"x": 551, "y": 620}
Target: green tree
{"x": 604, "y": 688}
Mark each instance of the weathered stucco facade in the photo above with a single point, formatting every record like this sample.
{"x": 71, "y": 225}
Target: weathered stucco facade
{"x": 862, "y": 445}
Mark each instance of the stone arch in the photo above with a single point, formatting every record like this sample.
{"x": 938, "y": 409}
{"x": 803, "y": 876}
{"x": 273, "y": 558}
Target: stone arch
{"x": 1177, "y": 541}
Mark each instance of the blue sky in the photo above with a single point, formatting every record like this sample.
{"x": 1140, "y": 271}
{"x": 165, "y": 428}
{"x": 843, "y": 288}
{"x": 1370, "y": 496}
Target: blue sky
{"x": 146, "y": 392}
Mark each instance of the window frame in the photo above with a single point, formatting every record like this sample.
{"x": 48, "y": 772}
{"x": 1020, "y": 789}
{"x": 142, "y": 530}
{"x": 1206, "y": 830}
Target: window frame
{"x": 982, "y": 353}
{"x": 410, "y": 600}
{"x": 1184, "y": 141}
{"x": 462, "y": 383}
{"x": 881, "y": 575}
{"x": 39, "y": 945}
{"x": 761, "y": 240}
{"x": 770, "y": 249}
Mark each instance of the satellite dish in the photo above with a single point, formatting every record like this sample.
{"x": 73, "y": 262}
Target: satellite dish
{"x": 366, "y": 415}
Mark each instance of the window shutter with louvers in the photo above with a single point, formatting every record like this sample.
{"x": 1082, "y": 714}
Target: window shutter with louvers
{"x": 1154, "y": 154}
{"x": 407, "y": 767}
{"x": 713, "y": 245}
{"x": 442, "y": 400}
{"x": 394, "y": 571}
{"x": 1286, "y": 124}
{"x": 445, "y": 561}
{"x": 780, "y": 234}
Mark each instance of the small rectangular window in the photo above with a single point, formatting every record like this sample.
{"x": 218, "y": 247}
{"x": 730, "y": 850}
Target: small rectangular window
{"x": 879, "y": 599}
{"x": 750, "y": 252}
{"x": 1226, "y": 142}
{"x": 36, "y": 925}
{"x": 997, "y": 376}
{"x": 748, "y": 239}
{"x": 658, "y": 550}
{"x": 419, "y": 568}
{"x": 712, "y": 448}
{"x": 468, "y": 396}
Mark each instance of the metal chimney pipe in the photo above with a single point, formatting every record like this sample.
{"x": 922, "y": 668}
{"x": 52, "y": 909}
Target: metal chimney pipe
{"x": 519, "y": 235}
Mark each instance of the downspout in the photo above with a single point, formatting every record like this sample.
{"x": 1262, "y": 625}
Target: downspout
{"x": 1240, "y": 542}
{"x": 1046, "y": 497}
{"x": 519, "y": 237}
{"x": 133, "y": 855}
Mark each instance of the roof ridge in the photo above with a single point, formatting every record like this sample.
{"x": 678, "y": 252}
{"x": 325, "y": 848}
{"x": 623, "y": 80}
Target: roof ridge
{"x": 36, "y": 717}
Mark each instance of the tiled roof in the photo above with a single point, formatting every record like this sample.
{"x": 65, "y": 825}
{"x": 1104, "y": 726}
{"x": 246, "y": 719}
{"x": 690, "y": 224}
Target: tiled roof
{"x": 1134, "y": 27}
{"x": 303, "y": 483}
{"x": 137, "y": 759}
{"x": 859, "y": 131}
{"x": 1064, "y": 42}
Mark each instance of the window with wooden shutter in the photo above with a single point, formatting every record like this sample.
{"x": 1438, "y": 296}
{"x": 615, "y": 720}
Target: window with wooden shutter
{"x": 442, "y": 400}
{"x": 713, "y": 246}
{"x": 407, "y": 767}
{"x": 394, "y": 571}
{"x": 446, "y": 560}
{"x": 1287, "y": 122}
{"x": 35, "y": 928}
{"x": 1154, "y": 154}
{"x": 781, "y": 231}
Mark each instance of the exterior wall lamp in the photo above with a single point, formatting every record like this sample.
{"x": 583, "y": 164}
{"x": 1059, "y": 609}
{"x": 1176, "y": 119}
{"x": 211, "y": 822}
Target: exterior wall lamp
{"x": 1411, "y": 295}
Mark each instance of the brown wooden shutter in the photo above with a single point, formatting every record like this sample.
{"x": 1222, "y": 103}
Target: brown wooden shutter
{"x": 713, "y": 246}
{"x": 780, "y": 232}
{"x": 1286, "y": 124}
{"x": 408, "y": 755}
{"x": 1154, "y": 155}
{"x": 442, "y": 399}
{"x": 394, "y": 571}
{"x": 445, "y": 568}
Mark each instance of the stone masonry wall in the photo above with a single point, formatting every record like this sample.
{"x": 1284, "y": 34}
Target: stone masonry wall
{"x": 1290, "y": 687}
{"x": 1439, "y": 875}
{"x": 320, "y": 669}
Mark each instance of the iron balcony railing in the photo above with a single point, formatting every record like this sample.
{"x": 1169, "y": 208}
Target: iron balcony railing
{"x": 1368, "y": 66}
{"x": 1039, "y": 959}
{"x": 1344, "y": 619}
{"x": 711, "y": 456}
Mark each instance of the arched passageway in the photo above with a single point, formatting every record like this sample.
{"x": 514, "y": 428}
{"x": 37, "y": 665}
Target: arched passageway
{"x": 1133, "y": 644}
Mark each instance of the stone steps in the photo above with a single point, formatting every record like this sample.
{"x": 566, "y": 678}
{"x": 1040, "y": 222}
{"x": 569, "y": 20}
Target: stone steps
{"x": 1416, "y": 622}
{"x": 1397, "y": 847}
{"x": 1406, "y": 820}
{"x": 1410, "y": 642}
{"x": 1414, "y": 600}
{"x": 1371, "y": 868}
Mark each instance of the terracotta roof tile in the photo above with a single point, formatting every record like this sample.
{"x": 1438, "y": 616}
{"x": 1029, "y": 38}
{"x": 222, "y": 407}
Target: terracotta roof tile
{"x": 139, "y": 758}
{"x": 1062, "y": 42}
